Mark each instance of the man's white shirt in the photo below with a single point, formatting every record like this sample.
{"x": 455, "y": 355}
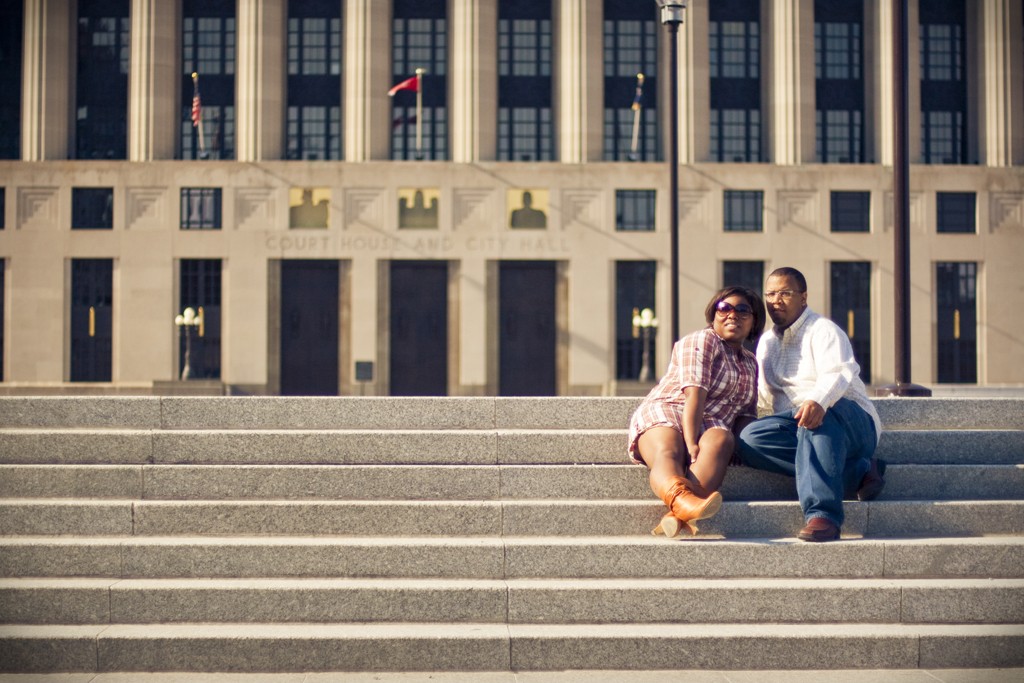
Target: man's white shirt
{"x": 812, "y": 359}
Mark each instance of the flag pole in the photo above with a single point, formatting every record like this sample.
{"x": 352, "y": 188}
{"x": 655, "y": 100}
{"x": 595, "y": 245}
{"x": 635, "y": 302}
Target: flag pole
{"x": 636, "y": 116}
{"x": 419, "y": 113}
{"x": 197, "y": 114}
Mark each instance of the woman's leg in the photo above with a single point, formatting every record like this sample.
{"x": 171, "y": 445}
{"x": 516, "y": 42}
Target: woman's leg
{"x": 662, "y": 450}
{"x": 716, "y": 448}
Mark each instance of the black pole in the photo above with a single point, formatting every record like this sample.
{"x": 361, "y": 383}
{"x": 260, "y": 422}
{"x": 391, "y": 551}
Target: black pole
{"x": 673, "y": 175}
{"x": 901, "y": 210}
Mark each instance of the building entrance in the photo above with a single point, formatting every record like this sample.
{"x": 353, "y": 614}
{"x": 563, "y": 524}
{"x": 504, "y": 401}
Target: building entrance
{"x": 526, "y": 328}
{"x": 92, "y": 304}
{"x": 419, "y": 328}
{"x": 309, "y": 328}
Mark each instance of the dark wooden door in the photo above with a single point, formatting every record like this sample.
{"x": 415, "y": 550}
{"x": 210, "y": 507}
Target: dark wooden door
{"x": 419, "y": 328}
{"x": 956, "y": 301}
{"x": 526, "y": 328}
{"x": 851, "y": 308}
{"x": 309, "y": 328}
{"x": 92, "y": 320}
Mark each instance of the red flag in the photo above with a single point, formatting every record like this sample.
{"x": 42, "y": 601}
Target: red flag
{"x": 197, "y": 106}
{"x": 412, "y": 84}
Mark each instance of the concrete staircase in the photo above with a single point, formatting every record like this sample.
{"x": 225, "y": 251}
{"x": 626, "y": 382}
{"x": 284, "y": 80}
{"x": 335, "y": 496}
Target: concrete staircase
{"x": 482, "y": 534}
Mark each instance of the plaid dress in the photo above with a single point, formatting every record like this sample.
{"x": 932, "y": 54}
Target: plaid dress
{"x": 701, "y": 359}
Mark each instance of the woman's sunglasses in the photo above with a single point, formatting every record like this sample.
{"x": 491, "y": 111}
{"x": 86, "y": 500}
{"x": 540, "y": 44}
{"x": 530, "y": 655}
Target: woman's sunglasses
{"x": 725, "y": 308}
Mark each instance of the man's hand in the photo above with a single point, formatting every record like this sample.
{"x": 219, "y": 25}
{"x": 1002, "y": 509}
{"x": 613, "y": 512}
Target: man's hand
{"x": 810, "y": 415}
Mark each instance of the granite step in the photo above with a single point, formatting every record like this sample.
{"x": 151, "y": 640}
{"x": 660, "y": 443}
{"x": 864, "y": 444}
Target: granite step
{"x": 569, "y": 557}
{"x": 460, "y": 482}
{"x": 513, "y": 601}
{"x": 467, "y": 446}
{"x": 756, "y": 519}
{"x": 384, "y": 413}
{"x": 279, "y": 647}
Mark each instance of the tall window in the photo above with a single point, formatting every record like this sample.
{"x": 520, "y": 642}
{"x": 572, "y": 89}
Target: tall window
{"x": 635, "y": 210}
{"x": 851, "y": 211}
{"x": 955, "y": 212}
{"x": 839, "y": 80}
{"x": 630, "y": 105}
{"x": 11, "y": 26}
{"x": 314, "y": 79}
{"x": 735, "y": 69}
{"x": 420, "y": 41}
{"x": 101, "y": 92}
{"x": 956, "y": 302}
{"x": 201, "y": 290}
{"x": 208, "y": 50}
{"x": 943, "y": 82}
{"x": 851, "y": 308}
{"x": 634, "y": 291}
{"x": 525, "y": 127}
{"x": 744, "y": 211}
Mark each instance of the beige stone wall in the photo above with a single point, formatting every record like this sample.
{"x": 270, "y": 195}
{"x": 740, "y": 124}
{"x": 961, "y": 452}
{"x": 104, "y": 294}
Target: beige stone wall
{"x": 473, "y": 232}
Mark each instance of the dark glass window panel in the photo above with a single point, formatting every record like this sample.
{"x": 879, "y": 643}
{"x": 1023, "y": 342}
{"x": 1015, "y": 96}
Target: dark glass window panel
{"x": 744, "y": 210}
{"x": 743, "y": 273}
{"x": 525, "y": 125}
{"x": 734, "y": 42}
{"x": 839, "y": 81}
{"x": 851, "y": 211}
{"x": 735, "y": 135}
{"x": 955, "y": 212}
{"x": 942, "y": 43}
{"x": 630, "y": 48}
{"x": 420, "y": 41}
{"x": 635, "y": 210}
{"x": 11, "y": 26}
{"x": 200, "y": 208}
{"x": 92, "y": 208}
{"x": 200, "y": 290}
{"x": 208, "y": 49}
{"x": 313, "y": 128}
{"x": 851, "y": 308}
{"x": 101, "y": 82}
{"x": 634, "y": 289}
{"x": 956, "y": 301}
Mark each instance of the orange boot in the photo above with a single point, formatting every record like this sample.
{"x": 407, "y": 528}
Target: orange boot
{"x": 687, "y": 502}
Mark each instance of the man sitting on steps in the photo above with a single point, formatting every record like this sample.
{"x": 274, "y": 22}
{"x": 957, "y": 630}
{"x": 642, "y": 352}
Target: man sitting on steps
{"x": 820, "y": 426}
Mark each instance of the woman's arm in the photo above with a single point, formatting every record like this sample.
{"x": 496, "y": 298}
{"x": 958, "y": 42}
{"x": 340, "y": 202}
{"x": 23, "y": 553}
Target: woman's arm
{"x": 693, "y": 419}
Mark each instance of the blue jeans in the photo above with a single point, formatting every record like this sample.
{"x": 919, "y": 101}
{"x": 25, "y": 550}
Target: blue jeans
{"x": 825, "y": 461}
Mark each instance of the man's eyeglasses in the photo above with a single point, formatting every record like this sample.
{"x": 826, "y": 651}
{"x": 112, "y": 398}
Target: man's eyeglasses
{"x": 725, "y": 308}
{"x": 781, "y": 295}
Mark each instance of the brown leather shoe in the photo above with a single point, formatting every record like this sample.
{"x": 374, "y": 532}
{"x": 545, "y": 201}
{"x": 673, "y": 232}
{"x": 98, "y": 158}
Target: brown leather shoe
{"x": 873, "y": 482}
{"x": 819, "y": 529}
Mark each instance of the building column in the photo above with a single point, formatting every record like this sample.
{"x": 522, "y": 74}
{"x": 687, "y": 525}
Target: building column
{"x": 1002, "y": 76}
{"x": 260, "y": 80}
{"x": 792, "y": 82}
{"x": 367, "y": 78}
{"x": 694, "y": 84}
{"x": 883, "y": 78}
{"x": 153, "y": 86}
{"x": 474, "y": 81}
{"x": 47, "y": 80}
{"x": 580, "y": 106}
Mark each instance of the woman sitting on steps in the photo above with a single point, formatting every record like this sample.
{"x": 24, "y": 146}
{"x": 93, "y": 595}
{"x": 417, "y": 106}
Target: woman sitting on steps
{"x": 684, "y": 430}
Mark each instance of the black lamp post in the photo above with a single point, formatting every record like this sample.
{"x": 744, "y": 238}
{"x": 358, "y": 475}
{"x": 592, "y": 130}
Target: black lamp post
{"x": 672, "y": 16}
{"x": 901, "y": 211}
